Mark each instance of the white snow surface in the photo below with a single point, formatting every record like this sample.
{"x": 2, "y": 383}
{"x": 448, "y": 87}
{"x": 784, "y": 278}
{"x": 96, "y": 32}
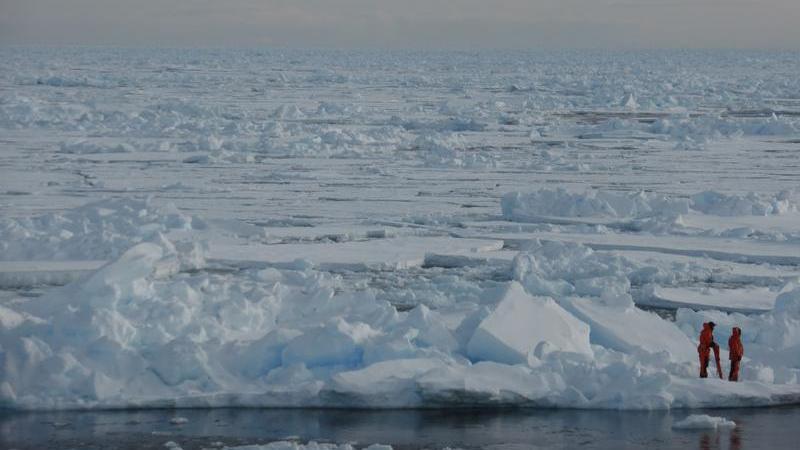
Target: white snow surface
{"x": 185, "y": 228}
{"x": 758, "y": 299}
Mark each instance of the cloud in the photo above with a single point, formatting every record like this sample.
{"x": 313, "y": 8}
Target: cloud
{"x": 404, "y": 23}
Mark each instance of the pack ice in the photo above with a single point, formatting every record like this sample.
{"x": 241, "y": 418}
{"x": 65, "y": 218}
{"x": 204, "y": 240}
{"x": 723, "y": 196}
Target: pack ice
{"x": 396, "y": 229}
{"x": 153, "y": 327}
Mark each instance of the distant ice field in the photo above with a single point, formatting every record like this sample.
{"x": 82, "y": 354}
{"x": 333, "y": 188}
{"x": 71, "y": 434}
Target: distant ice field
{"x": 338, "y": 135}
{"x": 396, "y": 229}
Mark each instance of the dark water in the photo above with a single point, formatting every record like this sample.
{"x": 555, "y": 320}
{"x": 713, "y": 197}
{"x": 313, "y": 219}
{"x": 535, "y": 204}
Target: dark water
{"x": 771, "y": 428}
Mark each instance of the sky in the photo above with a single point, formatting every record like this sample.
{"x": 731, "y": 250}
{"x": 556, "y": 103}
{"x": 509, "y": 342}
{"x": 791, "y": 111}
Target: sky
{"x": 428, "y": 24}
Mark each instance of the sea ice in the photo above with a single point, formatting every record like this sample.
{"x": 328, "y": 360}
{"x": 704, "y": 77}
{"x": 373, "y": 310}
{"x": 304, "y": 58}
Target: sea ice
{"x": 153, "y": 327}
{"x": 184, "y": 229}
{"x": 521, "y": 324}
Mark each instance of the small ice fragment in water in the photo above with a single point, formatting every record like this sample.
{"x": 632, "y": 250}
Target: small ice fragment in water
{"x": 703, "y": 421}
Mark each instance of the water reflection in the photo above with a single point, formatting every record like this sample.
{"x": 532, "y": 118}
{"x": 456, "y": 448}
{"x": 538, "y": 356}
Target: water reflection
{"x": 757, "y": 428}
{"x": 709, "y": 440}
{"x": 736, "y": 440}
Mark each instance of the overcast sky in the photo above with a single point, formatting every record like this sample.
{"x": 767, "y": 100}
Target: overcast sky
{"x": 405, "y": 23}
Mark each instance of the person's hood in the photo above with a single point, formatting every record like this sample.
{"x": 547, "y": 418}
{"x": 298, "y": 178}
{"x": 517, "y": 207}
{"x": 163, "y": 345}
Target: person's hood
{"x": 737, "y": 331}
{"x": 706, "y": 326}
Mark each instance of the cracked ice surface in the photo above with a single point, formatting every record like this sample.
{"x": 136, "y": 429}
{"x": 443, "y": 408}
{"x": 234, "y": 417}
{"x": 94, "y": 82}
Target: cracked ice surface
{"x": 399, "y": 229}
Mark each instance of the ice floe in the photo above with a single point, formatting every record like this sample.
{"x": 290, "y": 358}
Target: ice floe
{"x": 152, "y": 328}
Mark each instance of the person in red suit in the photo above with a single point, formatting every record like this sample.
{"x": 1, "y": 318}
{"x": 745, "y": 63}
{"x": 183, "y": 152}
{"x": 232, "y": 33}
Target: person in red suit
{"x": 736, "y": 351}
{"x": 704, "y": 349}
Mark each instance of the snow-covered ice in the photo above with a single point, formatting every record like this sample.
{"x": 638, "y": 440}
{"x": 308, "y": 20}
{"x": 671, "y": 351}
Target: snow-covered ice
{"x": 521, "y": 324}
{"x": 396, "y": 229}
{"x": 756, "y": 299}
{"x": 392, "y": 253}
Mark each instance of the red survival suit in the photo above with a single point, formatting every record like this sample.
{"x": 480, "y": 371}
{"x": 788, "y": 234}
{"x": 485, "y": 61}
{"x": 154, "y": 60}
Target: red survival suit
{"x": 704, "y": 350}
{"x": 736, "y": 350}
